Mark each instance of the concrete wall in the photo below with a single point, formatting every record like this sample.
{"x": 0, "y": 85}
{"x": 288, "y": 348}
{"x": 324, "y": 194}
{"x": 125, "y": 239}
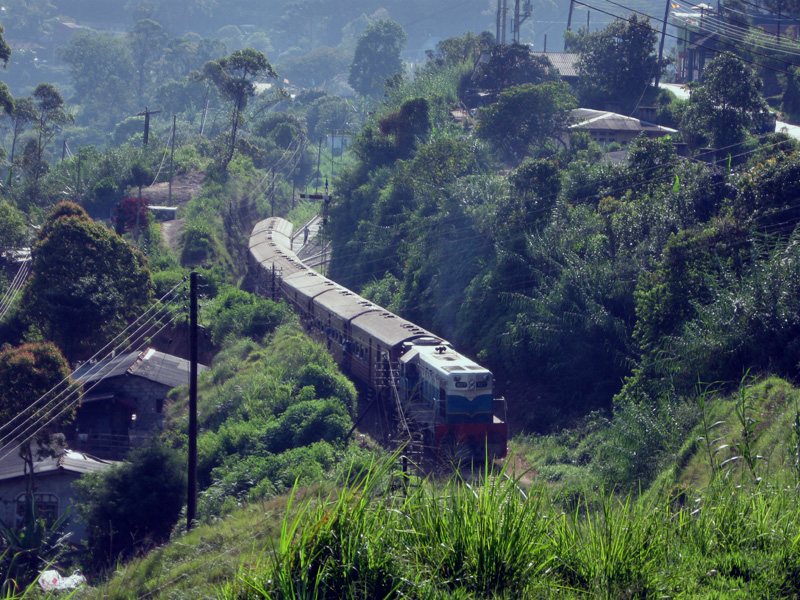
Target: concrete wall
{"x": 58, "y": 483}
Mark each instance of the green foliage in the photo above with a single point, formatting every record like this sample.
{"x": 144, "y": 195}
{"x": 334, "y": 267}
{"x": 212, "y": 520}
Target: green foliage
{"x": 13, "y": 231}
{"x": 616, "y": 63}
{"x": 268, "y": 415}
{"x": 377, "y": 57}
{"x": 235, "y": 314}
{"x": 527, "y": 115}
{"x": 83, "y": 273}
{"x": 24, "y": 550}
{"x": 727, "y": 104}
{"x": 234, "y": 77}
{"x": 133, "y": 504}
{"x": 510, "y": 65}
{"x": 32, "y": 377}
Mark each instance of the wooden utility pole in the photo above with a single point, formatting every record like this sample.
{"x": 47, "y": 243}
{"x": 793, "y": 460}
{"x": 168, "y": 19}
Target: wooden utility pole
{"x": 171, "y": 159}
{"x": 319, "y": 158}
{"x": 569, "y": 20}
{"x": 191, "y": 498}
{"x": 499, "y": 19}
{"x": 661, "y": 43}
{"x": 520, "y": 16}
{"x": 146, "y": 114}
{"x": 505, "y": 13}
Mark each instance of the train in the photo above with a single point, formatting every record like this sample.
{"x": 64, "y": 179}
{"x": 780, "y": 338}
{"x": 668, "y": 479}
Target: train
{"x": 431, "y": 390}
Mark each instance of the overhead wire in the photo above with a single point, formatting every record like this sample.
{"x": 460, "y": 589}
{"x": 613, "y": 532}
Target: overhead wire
{"x": 69, "y": 397}
{"x": 704, "y": 46}
{"x": 130, "y": 336}
{"x": 7, "y": 301}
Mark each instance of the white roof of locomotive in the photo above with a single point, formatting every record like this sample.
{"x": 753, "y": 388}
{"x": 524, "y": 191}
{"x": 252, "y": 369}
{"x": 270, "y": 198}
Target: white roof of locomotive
{"x": 445, "y": 361}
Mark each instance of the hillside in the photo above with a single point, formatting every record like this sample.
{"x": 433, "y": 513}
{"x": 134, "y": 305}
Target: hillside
{"x": 692, "y": 534}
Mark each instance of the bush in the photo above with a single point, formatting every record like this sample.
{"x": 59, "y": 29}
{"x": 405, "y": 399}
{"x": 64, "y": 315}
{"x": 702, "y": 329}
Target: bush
{"x": 235, "y": 313}
{"x": 133, "y": 504}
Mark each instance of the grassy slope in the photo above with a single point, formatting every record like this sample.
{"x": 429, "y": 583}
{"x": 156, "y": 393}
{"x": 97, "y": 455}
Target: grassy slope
{"x": 684, "y": 537}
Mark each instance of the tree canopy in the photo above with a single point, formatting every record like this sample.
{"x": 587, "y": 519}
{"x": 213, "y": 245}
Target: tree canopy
{"x": 510, "y": 65}
{"x": 235, "y": 77}
{"x": 28, "y": 373}
{"x": 727, "y": 103}
{"x": 527, "y": 115}
{"x": 87, "y": 283}
{"x": 616, "y": 63}
{"x": 377, "y": 57}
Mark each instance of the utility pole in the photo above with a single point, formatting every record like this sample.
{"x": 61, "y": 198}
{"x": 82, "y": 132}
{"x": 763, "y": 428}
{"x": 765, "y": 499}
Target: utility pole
{"x": 146, "y": 114}
{"x": 569, "y": 21}
{"x": 505, "y": 20}
{"x": 78, "y": 186}
{"x": 272, "y": 192}
{"x": 191, "y": 498}
{"x": 521, "y": 17}
{"x": 499, "y": 19}
{"x": 319, "y": 158}
{"x": 64, "y": 150}
{"x": 171, "y": 159}
{"x": 661, "y": 43}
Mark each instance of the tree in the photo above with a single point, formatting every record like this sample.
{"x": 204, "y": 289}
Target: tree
{"x": 147, "y": 42}
{"x": 467, "y": 48}
{"x": 23, "y": 114}
{"x": 12, "y": 228}
{"x": 526, "y": 115}
{"x": 317, "y": 68}
{"x": 86, "y": 282}
{"x": 101, "y": 68}
{"x": 235, "y": 76}
{"x": 134, "y": 503}
{"x": 377, "y": 57}
{"x": 5, "y": 49}
{"x": 510, "y": 65}
{"x": 36, "y": 396}
{"x": 50, "y": 117}
{"x": 727, "y": 104}
{"x": 28, "y": 373}
{"x": 617, "y": 62}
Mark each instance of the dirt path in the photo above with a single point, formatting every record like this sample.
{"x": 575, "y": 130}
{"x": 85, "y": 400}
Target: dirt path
{"x": 184, "y": 187}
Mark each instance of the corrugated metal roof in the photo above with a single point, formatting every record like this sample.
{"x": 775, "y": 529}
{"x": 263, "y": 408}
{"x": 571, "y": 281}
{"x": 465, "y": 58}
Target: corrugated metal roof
{"x": 566, "y": 63}
{"x": 589, "y": 119}
{"x": 71, "y": 461}
{"x": 153, "y": 365}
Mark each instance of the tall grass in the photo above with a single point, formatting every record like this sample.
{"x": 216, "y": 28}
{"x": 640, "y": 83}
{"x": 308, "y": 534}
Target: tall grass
{"x": 477, "y": 536}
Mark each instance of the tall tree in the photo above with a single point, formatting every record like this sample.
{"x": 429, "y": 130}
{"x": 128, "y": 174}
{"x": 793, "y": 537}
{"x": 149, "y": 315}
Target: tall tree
{"x": 527, "y": 115}
{"x": 101, "y": 68}
{"x": 29, "y": 373}
{"x": 513, "y": 64}
{"x": 86, "y": 282}
{"x": 5, "y": 49}
{"x": 24, "y": 114}
{"x": 235, "y": 77}
{"x": 147, "y": 42}
{"x": 50, "y": 117}
{"x": 377, "y": 57}
{"x": 616, "y": 63}
{"x": 727, "y": 103}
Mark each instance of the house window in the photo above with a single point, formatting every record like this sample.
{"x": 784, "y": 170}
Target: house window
{"x": 46, "y": 508}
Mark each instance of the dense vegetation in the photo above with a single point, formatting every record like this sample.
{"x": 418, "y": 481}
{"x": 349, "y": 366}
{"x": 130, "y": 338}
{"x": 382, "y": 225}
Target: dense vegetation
{"x": 641, "y": 315}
